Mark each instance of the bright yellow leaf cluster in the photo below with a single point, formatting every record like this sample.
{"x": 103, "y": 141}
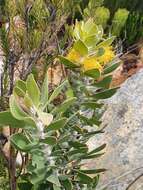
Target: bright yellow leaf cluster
{"x": 74, "y": 56}
{"x": 91, "y": 62}
{"x": 108, "y": 55}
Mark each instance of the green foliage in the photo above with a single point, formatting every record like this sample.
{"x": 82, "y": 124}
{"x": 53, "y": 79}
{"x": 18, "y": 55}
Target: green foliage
{"x": 54, "y": 145}
{"x": 4, "y": 185}
{"x": 98, "y": 88}
{"x": 134, "y": 28}
{"x": 89, "y": 11}
{"x": 119, "y": 21}
{"x": 135, "y": 5}
{"x": 132, "y": 31}
{"x": 104, "y": 16}
{"x": 32, "y": 32}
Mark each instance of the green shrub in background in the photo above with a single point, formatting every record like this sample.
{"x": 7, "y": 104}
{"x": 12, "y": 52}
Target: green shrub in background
{"x": 132, "y": 32}
{"x": 100, "y": 15}
{"x": 112, "y": 23}
{"x": 119, "y": 21}
{"x": 125, "y": 18}
{"x": 133, "y": 29}
{"x": 113, "y": 5}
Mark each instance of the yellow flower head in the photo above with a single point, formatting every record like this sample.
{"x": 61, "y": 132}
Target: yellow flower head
{"x": 74, "y": 56}
{"x": 107, "y": 56}
{"x": 91, "y": 63}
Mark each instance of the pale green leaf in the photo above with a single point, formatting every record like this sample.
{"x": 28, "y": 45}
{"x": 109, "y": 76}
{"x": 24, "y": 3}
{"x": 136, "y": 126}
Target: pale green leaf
{"x": 44, "y": 91}
{"x": 54, "y": 179}
{"x": 106, "y": 42}
{"x": 21, "y": 84}
{"x": 46, "y": 118}
{"x": 33, "y": 90}
{"x": 80, "y": 47}
{"x": 58, "y": 90}
{"x": 16, "y": 110}
{"x": 68, "y": 63}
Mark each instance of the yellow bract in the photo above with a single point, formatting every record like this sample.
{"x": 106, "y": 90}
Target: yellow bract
{"x": 74, "y": 56}
{"x": 89, "y": 51}
{"x": 91, "y": 63}
{"x": 108, "y": 55}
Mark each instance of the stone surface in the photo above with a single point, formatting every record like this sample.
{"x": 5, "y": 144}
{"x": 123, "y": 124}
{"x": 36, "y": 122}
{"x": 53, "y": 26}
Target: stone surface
{"x": 124, "y": 137}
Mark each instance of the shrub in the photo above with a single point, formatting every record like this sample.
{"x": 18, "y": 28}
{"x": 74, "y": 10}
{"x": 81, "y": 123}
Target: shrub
{"x": 54, "y": 138}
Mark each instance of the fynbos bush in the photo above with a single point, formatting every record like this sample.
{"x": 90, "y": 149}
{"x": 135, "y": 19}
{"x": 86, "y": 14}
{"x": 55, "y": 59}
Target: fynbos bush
{"x": 51, "y": 138}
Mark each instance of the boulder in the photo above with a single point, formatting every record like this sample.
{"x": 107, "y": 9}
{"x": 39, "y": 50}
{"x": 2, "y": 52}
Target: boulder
{"x": 123, "y": 122}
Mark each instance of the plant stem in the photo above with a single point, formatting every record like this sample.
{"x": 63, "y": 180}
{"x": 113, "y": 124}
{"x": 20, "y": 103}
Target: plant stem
{"x": 12, "y": 170}
{"x": 12, "y": 167}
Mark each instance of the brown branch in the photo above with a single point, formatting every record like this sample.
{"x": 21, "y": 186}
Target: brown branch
{"x": 12, "y": 169}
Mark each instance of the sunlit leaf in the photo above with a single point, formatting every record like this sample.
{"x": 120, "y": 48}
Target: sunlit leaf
{"x": 80, "y": 47}
{"x": 33, "y": 90}
{"x": 16, "y": 110}
{"x": 27, "y": 101}
{"x": 106, "y": 42}
{"x": 44, "y": 91}
{"x": 21, "y": 84}
{"x": 19, "y": 92}
{"x": 46, "y": 118}
{"x": 91, "y": 41}
{"x": 68, "y": 63}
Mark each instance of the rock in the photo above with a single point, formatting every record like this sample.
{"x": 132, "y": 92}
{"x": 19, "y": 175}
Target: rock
{"x": 124, "y": 138}
{"x": 131, "y": 64}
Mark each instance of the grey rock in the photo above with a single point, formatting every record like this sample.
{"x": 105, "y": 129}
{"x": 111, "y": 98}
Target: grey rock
{"x": 123, "y": 135}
